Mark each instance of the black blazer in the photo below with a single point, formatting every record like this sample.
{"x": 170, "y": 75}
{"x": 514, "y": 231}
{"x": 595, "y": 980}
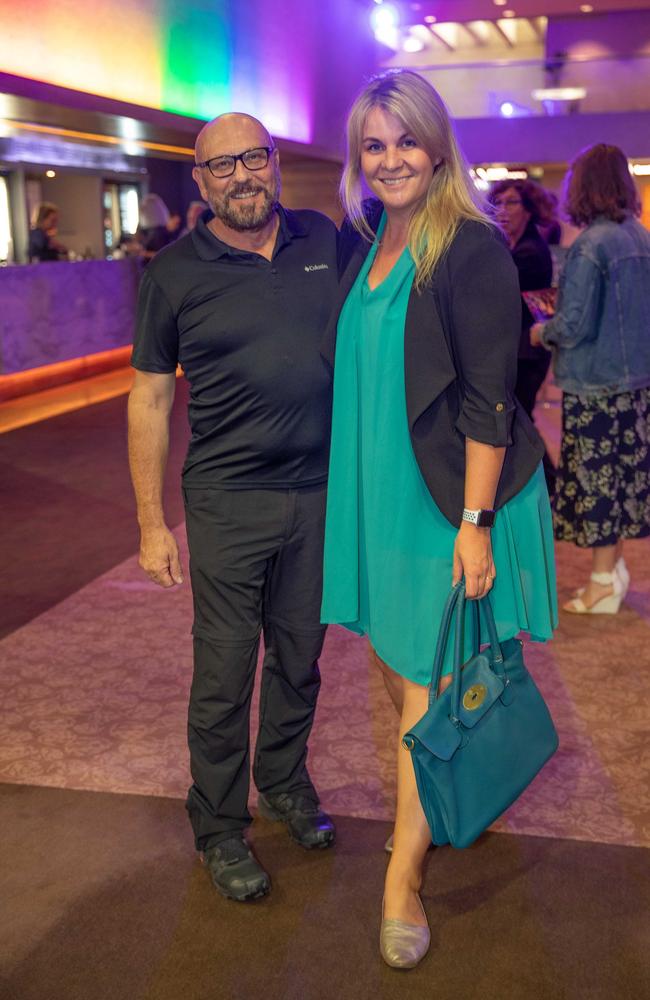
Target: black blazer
{"x": 460, "y": 359}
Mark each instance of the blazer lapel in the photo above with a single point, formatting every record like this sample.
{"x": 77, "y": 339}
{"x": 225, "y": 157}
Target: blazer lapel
{"x": 428, "y": 363}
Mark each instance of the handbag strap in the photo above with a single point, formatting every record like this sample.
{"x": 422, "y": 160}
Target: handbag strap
{"x": 496, "y": 653}
{"x": 456, "y": 603}
{"x": 441, "y": 644}
{"x": 443, "y": 635}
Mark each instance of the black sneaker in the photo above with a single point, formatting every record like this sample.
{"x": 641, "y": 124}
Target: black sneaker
{"x": 235, "y": 873}
{"x": 307, "y": 825}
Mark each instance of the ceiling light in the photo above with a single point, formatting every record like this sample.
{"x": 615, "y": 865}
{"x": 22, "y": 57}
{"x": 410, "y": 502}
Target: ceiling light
{"x": 385, "y": 16}
{"x": 385, "y": 20}
{"x": 560, "y": 94}
{"x": 509, "y": 109}
{"x": 50, "y": 173}
{"x": 509, "y": 13}
{"x": 430, "y": 19}
{"x": 412, "y": 44}
{"x": 586, "y": 8}
{"x": 500, "y": 3}
{"x": 640, "y": 169}
{"x": 501, "y": 174}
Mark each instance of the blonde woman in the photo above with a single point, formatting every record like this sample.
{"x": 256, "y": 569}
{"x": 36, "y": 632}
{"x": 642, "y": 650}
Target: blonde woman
{"x": 435, "y": 471}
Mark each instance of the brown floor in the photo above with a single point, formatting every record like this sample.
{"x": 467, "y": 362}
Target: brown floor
{"x": 104, "y": 900}
{"x": 67, "y": 504}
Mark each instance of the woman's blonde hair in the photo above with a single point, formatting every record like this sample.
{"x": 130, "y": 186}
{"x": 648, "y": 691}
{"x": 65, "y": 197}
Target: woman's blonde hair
{"x": 451, "y": 197}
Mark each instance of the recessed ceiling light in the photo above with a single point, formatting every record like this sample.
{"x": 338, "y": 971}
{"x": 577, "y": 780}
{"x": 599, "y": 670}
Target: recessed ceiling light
{"x": 431, "y": 19}
{"x": 412, "y": 44}
{"x": 500, "y": 3}
{"x": 509, "y": 13}
{"x": 50, "y": 173}
{"x": 586, "y": 8}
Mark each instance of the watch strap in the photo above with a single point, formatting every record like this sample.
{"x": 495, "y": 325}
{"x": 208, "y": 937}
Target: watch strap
{"x": 481, "y": 518}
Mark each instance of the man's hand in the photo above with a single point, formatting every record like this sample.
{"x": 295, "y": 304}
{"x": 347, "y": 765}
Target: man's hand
{"x": 159, "y": 557}
{"x": 473, "y": 560}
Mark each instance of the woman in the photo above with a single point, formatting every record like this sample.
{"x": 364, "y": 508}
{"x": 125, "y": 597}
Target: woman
{"x": 517, "y": 212}
{"x": 426, "y": 439}
{"x": 519, "y": 208}
{"x": 601, "y": 343}
{"x": 43, "y": 244}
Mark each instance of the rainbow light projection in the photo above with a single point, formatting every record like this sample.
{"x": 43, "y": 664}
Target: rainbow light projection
{"x": 196, "y": 58}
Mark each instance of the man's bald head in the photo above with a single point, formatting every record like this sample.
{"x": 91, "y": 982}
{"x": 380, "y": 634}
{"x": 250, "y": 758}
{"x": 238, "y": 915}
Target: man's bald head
{"x": 246, "y": 199}
{"x": 230, "y": 133}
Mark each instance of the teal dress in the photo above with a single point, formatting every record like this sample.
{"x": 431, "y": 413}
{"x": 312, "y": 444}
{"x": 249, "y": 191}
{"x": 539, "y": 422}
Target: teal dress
{"x": 388, "y": 548}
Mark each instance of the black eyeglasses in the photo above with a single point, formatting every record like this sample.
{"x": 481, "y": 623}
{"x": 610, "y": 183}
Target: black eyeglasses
{"x": 508, "y": 203}
{"x": 224, "y": 166}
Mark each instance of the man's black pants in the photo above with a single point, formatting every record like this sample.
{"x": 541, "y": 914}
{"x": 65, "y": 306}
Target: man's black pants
{"x": 256, "y": 565}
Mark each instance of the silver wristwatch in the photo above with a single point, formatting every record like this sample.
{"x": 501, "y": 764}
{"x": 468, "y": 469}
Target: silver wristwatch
{"x": 481, "y": 518}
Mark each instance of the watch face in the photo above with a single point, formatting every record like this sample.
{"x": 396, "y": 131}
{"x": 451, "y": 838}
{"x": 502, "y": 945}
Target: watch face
{"x": 485, "y": 519}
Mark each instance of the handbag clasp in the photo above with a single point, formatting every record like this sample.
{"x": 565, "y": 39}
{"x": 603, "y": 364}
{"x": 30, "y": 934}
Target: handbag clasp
{"x": 474, "y": 697}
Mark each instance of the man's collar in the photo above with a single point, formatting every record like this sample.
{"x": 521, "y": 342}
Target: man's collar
{"x": 210, "y": 247}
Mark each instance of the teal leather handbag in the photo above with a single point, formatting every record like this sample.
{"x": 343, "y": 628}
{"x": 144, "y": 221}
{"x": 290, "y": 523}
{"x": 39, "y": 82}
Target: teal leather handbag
{"x": 483, "y": 740}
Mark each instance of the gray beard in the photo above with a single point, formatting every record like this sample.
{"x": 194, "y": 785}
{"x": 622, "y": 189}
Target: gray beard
{"x": 245, "y": 218}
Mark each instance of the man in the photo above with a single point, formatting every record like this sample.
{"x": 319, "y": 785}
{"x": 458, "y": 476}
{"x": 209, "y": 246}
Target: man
{"x": 241, "y": 303}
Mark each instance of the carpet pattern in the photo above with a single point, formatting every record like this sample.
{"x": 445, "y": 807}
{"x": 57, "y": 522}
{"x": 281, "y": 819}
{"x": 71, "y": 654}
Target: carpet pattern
{"x": 94, "y": 694}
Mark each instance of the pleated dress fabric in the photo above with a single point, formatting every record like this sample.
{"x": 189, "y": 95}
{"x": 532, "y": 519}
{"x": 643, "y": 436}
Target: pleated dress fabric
{"x": 388, "y": 548}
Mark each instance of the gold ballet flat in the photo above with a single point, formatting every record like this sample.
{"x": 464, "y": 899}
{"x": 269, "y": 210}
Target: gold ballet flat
{"x": 403, "y": 945}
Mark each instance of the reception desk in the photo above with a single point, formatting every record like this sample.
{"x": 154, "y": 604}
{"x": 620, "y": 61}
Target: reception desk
{"x": 55, "y": 312}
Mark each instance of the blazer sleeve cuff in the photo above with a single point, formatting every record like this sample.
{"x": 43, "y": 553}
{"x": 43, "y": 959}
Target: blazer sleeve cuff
{"x": 491, "y": 426}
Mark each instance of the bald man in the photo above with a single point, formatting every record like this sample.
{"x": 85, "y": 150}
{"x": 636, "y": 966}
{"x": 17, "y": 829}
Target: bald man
{"x": 241, "y": 303}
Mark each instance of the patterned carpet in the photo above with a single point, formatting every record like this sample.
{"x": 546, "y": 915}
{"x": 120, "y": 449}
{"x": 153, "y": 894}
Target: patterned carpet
{"x": 94, "y": 692}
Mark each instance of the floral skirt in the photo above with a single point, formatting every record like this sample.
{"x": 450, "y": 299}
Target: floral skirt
{"x": 603, "y": 482}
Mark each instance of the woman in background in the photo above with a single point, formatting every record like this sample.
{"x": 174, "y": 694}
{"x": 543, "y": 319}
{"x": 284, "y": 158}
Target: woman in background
{"x": 600, "y": 336}
{"x": 519, "y": 208}
{"x": 43, "y": 244}
{"x": 435, "y": 472}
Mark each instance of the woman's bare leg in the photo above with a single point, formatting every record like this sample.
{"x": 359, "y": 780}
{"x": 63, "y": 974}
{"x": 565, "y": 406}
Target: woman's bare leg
{"x": 392, "y": 681}
{"x": 412, "y": 835}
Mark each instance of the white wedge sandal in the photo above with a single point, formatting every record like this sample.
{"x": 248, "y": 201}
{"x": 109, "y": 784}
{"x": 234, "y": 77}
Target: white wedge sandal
{"x": 624, "y": 576}
{"x": 606, "y": 605}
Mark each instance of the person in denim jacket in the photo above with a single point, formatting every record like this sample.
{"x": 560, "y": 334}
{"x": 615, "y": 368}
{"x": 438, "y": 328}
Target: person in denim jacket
{"x": 600, "y": 338}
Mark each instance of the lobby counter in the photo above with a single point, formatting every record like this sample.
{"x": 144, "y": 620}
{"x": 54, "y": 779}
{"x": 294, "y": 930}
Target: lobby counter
{"x": 55, "y": 312}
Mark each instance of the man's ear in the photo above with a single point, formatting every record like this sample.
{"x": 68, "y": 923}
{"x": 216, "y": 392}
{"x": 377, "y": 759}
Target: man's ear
{"x": 198, "y": 177}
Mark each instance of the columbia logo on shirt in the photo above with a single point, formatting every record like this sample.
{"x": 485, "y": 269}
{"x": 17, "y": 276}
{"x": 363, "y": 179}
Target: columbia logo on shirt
{"x": 316, "y": 267}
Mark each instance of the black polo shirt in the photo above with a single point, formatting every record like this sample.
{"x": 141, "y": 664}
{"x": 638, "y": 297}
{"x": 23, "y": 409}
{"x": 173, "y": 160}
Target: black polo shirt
{"x": 246, "y": 332}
